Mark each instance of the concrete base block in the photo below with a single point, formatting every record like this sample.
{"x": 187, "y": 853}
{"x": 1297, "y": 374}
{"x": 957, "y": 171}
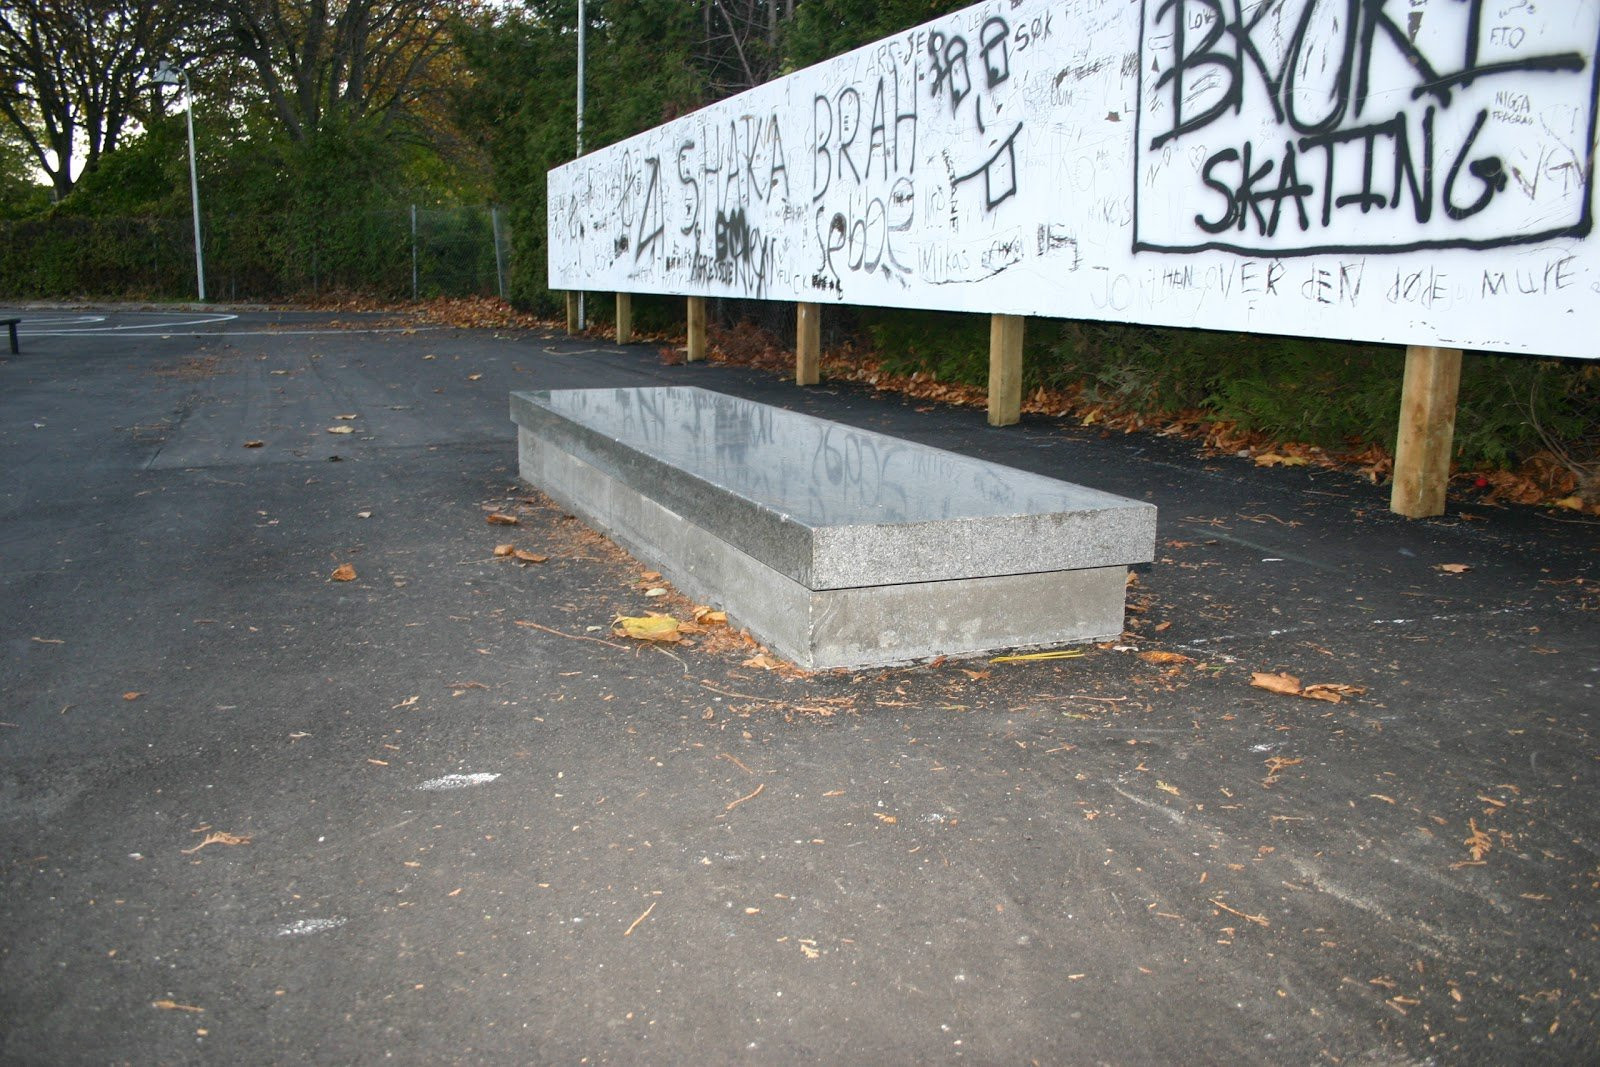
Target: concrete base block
{"x": 865, "y": 626}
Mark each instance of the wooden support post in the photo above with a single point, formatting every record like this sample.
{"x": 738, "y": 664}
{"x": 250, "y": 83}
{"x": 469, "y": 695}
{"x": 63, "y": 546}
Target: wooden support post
{"x": 572, "y": 312}
{"x": 1427, "y": 428}
{"x": 807, "y": 343}
{"x": 697, "y": 329}
{"x": 1005, "y": 369}
{"x": 624, "y": 318}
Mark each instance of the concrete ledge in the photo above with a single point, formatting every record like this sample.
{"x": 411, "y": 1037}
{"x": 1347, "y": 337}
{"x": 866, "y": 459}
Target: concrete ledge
{"x": 774, "y": 516}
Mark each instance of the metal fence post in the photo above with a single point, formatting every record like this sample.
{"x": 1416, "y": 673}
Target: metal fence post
{"x": 499, "y": 256}
{"x": 413, "y": 253}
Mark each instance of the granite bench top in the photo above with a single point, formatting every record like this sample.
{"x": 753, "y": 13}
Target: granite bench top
{"x": 833, "y": 506}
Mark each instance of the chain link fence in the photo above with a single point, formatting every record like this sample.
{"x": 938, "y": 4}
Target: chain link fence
{"x": 404, "y": 252}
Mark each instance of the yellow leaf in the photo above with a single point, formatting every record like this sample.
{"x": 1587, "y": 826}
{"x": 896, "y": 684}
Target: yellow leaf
{"x": 1287, "y": 684}
{"x": 648, "y": 627}
{"x": 1453, "y": 568}
{"x": 1571, "y": 503}
{"x": 343, "y": 573}
{"x": 1269, "y": 459}
{"x": 528, "y": 557}
{"x": 341, "y": 429}
{"x": 1332, "y": 692}
{"x": 504, "y": 550}
{"x": 495, "y": 518}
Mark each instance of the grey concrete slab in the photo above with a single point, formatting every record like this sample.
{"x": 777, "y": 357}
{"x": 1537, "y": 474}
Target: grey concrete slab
{"x": 878, "y": 625}
{"x": 831, "y": 505}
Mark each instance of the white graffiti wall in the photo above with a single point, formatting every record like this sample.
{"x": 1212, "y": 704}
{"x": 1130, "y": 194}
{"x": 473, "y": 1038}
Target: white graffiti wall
{"x": 1410, "y": 171}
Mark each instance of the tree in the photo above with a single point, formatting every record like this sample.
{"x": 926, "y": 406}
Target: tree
{"x": 344, "y": 62}
{"x": 74, "y": 72}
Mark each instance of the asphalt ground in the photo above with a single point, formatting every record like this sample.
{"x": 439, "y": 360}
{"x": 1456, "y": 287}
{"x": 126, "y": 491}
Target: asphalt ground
{"x": 660, "y": 854}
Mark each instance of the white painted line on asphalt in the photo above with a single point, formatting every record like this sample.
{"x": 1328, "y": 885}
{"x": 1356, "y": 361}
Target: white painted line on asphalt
{"x": 159, "y": 326}
{"x": 458, "y": 781}
{"x": 311, "y": 926}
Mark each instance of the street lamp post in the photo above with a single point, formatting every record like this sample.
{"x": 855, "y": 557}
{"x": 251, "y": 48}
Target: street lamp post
{"x": 167, "y": 74}
{"x": 583, "y": 26}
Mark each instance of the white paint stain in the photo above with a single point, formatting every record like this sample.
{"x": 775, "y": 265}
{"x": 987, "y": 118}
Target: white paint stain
{"x": 458, "y": 781}
{"x": 310, "y": 926}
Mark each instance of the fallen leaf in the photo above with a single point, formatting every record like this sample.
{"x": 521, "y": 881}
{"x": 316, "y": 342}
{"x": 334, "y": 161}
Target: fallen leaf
{"x": 363, "y": 514}
{"x": 504, "y": 550}
{"x": 1273, "y": 459}
{"x": 1165, "y": 788}
{"x": 1332, "y": 692}
{"x": 473, "y": 377}
{"x": 1286, "y": 684}
{"x": 344, "y": 572}
{"x": 218, "y": 837}
{"x": 707, "y": 617}
{"x": 132, "y": 695}
{"x": 647, "y": 627}
{"x": 254, "y": 444}
{"x": 657, "y": 591}
{"x": 341, "y": 429}
{"x": 173, "y": 1005}
{"x": 887, "y": 819}
{"x": 346, "y": 418}
{"x": 1154, "y": 656}
{"x": 495, "y": 518}
{"x": 1571, "y": 503}
{"x": 650, "y": 576}
{"x": 1453, "y": 568}
{"x": 1477, "y": 842}
{"x": 763, "y": 661}
{"x": 529, "y": 557}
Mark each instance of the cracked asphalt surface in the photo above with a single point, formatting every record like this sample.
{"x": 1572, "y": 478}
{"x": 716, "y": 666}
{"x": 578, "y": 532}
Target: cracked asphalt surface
{"x": 450, "y": 838}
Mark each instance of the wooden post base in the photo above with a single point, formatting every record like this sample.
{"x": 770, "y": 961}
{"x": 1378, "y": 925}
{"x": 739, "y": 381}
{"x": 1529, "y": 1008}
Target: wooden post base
{"x": 1427, "y": 430}
{"x": 807, "y": 344}
{"x": 572, "y": 312}
{"x": 624, "y": 318}
{"x": 1005, "y": 369}
{"x": 697, "y": 329}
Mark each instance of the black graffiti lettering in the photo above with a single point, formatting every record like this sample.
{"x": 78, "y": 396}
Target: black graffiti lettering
{"x": 1489, "y": 171}
{"x": 877, "y": 137}
{"x": 651, "y": 225}
{"x": 1285, "y": 86}
{"x": 831, "y": 238}
{"x": 949, "y": 57}
{"x": 1363, "y": 24}
{"x": 1032, "y": 33}
{"x": 1202, "y": 56}
{"x": 999, "y": 173}
{"x": 848, "y": 120}
{"x": 996, "y": 59}
{"x": 691, "y": 188}
{"x": 1231, "y": 214}
{"x": 837, "y": 150}
{"x": 820, "y": 139}
{"x": 775, "y": 139}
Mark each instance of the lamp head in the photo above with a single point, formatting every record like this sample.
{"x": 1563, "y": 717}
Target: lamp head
{"x": 167, "y": 74}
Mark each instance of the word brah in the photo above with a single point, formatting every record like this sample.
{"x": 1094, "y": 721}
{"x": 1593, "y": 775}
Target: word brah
{"x": 1299, "y": 127}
